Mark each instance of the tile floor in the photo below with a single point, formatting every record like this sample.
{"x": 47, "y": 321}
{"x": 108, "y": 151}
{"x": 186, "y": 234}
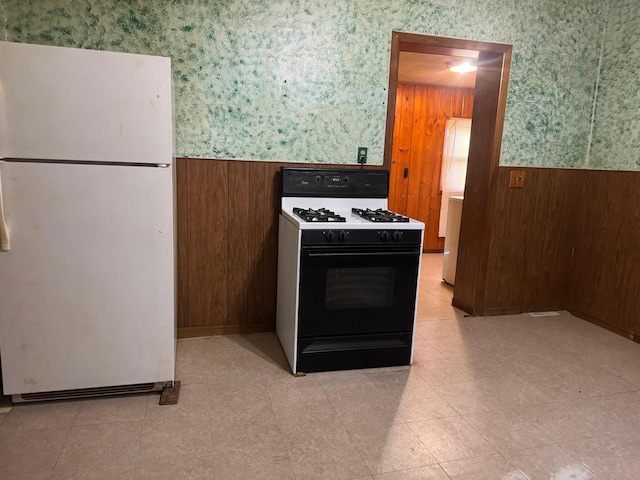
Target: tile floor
{"x": 512, "y": 397}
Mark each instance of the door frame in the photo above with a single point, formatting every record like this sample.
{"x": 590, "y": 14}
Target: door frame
{"x": 489, "y": 105}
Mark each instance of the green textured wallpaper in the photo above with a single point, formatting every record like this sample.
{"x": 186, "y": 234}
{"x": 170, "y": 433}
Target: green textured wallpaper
{"x": 306, "y": 80}
{"x": 616, "y": 135}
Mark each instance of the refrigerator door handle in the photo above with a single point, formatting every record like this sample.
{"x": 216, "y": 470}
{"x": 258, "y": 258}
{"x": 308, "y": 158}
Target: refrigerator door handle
{"x": 5, "y": 244}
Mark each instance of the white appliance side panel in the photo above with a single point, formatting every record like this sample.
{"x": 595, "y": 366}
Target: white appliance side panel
{"x": 415, "y": 308}
{"x": 87, "y": 289}
{"x": 77, "y": 104}
{"x": 288, "y": 295}
{"x": 452, "y": 236}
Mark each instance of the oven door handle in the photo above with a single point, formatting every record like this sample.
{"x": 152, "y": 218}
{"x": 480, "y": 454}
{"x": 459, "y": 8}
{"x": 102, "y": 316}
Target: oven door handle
{"x": 360, "y": 254}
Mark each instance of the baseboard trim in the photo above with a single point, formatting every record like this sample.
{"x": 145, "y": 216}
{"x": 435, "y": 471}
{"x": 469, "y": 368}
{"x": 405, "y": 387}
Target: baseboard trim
{"x": 190, "y": 332}
{"x": 490, "y": 312}
{"x": 462, "y": 306}
{"x": 606, "y": 325}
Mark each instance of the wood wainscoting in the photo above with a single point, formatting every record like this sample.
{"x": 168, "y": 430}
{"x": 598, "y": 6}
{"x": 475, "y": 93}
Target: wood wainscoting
{"x": 227, "y": 236}
{"x": 531, "y": 242}
{"x": 604, "y": 272}
{"x": 567, "y": 240}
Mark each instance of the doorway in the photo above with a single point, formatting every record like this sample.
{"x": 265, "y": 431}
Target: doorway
{"x": 428, "y": 97}
{"x": 489, "y": 103}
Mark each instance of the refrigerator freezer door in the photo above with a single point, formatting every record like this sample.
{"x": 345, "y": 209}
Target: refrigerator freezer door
{"x": 86, "y": 291}
{"x": 75, "y": 104}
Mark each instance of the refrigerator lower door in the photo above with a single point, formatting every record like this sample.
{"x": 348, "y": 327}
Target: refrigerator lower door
{"x": 87, "y": 289}
{"x": 5, "y": 241}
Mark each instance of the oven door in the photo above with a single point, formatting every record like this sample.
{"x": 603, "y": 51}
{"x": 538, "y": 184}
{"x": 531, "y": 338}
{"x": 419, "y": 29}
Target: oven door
{"x": 357, "y": 290}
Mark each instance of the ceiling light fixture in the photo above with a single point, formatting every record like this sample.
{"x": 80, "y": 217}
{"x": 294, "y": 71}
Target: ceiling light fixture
{"x": 462, "y": 67}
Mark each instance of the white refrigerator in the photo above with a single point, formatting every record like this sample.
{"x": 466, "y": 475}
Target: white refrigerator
{"x": 86, "y": 221}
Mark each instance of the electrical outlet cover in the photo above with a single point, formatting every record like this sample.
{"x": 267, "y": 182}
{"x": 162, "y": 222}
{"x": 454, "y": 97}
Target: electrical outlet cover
{"x": 516, "y": 178}
{"x": 362, "y": 154}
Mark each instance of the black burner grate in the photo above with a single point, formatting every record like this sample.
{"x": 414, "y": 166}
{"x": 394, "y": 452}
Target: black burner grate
{"x": 379, "y": 215}
{"x": 318, "y": 215}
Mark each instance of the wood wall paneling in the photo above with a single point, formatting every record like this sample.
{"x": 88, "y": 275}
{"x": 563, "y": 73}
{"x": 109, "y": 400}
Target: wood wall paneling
{"x": 240, "y": 226}
{"x": 432, "y": 223}
{"x": 207, "y": 243}
{"x": 182, "y": 246}
{"x": 507, "y": 255}
{"x": 227, "y": 231}
{"x": 467, "y": 104}
{"x": 257, "y": 218}
{"x": 588, "y": 276}
{"x": 431, "y": 159}
{"x": 418, "y": 141}
{"x": 402, "y": 148}
{"x": 567, "y": 240}
{"x": 530, "y": 242}
{"x": 604, "y": 273}
{"x": 549, "y": 238}
{"x": 417, "y": 158}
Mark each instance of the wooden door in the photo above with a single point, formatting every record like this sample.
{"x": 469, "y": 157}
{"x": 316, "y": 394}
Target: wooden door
{"x": 416, "y": 158}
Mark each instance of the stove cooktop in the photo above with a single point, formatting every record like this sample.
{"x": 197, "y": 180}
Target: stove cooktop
{"x": 322, "y": 215}
{"x": 325, "y": 215}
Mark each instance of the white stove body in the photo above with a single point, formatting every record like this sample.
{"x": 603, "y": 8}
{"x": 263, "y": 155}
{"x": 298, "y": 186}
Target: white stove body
{"x": 291, "y": 228}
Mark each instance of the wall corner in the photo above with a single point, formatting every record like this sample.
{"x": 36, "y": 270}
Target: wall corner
{"x": 3, "y": 20}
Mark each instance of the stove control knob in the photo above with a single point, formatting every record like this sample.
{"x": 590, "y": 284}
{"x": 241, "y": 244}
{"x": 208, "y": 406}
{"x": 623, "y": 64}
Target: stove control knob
{"x": 343, "y": 236}
{"x": 329, "y": 236}
{"x": 384, "y": 235}
{"x": 397, "y": 236}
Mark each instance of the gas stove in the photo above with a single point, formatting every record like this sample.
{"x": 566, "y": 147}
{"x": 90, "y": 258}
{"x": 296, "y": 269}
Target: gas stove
{"x": 347, "y": 271}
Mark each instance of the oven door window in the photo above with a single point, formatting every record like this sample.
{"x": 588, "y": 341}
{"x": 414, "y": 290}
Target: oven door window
{"x": 357, "y": 292}
{"x": 357, "y": 288}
